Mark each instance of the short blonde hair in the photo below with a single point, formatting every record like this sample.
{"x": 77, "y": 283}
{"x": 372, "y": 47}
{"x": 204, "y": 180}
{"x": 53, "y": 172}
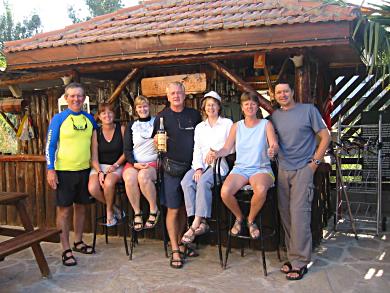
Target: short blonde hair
{"x": 140, "y": 99}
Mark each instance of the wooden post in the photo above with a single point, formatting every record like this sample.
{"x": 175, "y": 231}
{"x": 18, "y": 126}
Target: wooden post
{"x": 241, "y": 84}
{"x": 122, "y": 85}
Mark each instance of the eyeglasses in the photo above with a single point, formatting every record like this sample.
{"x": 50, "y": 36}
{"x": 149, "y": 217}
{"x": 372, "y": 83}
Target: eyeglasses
{"x": 183, "y": 127}
{"x": 78, "y": 127}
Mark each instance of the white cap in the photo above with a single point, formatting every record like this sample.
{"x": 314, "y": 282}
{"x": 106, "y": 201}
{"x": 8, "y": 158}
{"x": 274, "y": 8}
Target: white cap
{"x": 214, "y": 95}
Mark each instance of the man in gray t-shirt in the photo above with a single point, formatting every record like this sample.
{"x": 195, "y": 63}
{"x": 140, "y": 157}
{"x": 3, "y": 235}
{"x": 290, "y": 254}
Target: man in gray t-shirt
{"x": 297, "y": 126}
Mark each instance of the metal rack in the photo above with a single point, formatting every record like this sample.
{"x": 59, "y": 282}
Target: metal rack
{"x": 359, "y": 177}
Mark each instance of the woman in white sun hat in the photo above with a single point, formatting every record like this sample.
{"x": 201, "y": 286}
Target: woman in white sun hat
{"x": 197, "y": 183}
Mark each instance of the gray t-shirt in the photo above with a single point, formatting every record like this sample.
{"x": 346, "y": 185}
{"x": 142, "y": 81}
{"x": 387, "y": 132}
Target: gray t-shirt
{"x": 296, "y": 129}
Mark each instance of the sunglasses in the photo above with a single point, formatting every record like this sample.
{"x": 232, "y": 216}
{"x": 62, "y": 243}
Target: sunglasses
{"x": 78, "y": 127}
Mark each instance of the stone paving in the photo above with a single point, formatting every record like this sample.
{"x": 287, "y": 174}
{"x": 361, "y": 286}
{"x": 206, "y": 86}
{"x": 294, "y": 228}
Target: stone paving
{"x": 340, "y": 264}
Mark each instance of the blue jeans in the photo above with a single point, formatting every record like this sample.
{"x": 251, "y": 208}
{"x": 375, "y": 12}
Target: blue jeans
{"x": 198, "y": 196}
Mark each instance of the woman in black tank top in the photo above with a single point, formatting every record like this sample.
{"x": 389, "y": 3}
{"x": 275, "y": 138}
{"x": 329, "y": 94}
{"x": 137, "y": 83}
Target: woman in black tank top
{"x": 107, "y": 161}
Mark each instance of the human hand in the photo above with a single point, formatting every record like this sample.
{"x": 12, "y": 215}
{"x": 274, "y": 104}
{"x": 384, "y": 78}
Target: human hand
{"x": 313, "y": 166}
{"x": 101, "y": 176}
{"x": 211, "y": 156}
{"x": 198, "y": 173}
{"x": 111, "y": 169}
{"x": 141, "y": 166}
{"x": 272, "y": 151}
{"x": 52, "y": 179}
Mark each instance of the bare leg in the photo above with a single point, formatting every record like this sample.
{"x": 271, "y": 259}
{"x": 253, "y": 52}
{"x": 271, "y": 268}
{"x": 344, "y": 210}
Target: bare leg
{"x": 63, "y": 217}
{"x": 132, "y": 190}
{"x": 146, "y": 178}
{"x": 260, "y": 184}
{"x": 95, "y": 189}
{"x": 109, "y": 193}
{"x": 172, "y": 228}
{"x": 78, "y": 221}
{"x": 232, "y": 184}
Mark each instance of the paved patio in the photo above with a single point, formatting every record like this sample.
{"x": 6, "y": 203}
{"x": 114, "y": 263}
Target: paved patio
{"x": 340, "y": 264}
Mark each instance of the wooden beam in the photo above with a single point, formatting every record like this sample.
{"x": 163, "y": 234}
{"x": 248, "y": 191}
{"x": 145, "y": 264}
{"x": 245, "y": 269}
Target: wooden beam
{"x": 9, "y": 122}
{"x": 241, "y": 84}
{"x": 122, "y": 85}
{"x": 33, "y": 77}
{"x": 22, "y": 158}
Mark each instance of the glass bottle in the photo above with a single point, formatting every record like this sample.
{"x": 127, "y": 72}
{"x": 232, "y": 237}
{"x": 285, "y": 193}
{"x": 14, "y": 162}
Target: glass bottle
{"x": 161, "y": 137}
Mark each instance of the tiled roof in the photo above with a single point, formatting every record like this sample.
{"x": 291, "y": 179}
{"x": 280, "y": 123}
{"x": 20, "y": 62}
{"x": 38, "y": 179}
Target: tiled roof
{"x": 152, "y": 18}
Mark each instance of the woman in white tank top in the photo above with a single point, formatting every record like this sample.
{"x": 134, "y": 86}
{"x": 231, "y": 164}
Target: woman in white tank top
{"x": 255, "y": 142}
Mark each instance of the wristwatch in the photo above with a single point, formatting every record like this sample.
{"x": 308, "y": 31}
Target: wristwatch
{"x": 116, "y": 165}
{"x": 317, "y": 162}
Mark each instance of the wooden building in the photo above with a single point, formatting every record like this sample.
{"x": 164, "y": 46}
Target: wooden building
{"x": 223, "y": 45}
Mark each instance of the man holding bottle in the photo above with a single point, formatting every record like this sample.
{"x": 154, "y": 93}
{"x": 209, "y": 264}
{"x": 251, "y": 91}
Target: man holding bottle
{"x": 179, "y": 123}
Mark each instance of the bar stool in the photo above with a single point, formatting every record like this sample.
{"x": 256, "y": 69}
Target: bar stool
{"x": 134, "y": 234}
{"x": 101, "y": 220}
{"x": 266, "y": 231}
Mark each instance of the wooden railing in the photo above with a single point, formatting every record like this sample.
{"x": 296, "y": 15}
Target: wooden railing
{"x": 27, "y": 173}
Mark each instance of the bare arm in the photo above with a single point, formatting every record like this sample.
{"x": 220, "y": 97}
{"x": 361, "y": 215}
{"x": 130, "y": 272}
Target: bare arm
{"x": 226, "y": 149}
{"x": 95, "y": 153}
{"x": 322, "y": 146}
{"x": 272, "y": 140}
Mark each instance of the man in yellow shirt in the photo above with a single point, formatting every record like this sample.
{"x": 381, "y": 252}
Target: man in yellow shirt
{"x": 68, "y": 155}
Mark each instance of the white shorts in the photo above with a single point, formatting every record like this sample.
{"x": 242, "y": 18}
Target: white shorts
{"x": 104, "y": 168}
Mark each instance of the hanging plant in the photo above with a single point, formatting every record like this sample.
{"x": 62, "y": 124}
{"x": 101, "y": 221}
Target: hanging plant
{"x": 371, "y": 35}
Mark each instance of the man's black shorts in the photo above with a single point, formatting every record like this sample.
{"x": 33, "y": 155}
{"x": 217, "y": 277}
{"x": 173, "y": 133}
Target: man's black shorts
{"x": 72, "y": 187}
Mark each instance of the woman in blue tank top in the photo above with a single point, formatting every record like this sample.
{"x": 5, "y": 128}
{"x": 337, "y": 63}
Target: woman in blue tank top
{"x": 255, "y": 143}
{"x": 107, "y": 161}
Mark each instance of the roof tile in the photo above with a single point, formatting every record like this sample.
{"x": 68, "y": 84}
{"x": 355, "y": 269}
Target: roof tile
{"x": 158, "y": 17}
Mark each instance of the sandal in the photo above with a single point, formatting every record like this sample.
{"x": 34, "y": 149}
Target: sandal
{"x": 300, "y": 273}
{"x": 151, "y": 223}
{"x": 287, "y": 265}
{"x": 85, "y": 249}
{"x": 189, "y": 236}
{"x": 236, "y": 230}
{"x": 188, "y": 251}
{"x": 65, "y": 258}
{"x": 254, "y": 231}
{"x": 118, "y": 213}
{"x": 176, "y": 263}
{"x": 112, "y": 222}
{"x": 138, "y": 225}
{"x": 202, "y": 229}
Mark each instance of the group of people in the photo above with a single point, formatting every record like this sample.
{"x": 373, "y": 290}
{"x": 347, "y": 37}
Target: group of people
{"x": 83, "y": 159}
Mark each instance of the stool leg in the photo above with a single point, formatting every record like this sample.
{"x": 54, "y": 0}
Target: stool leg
{"x": 163, "y": 231}
{"x": 262, "y": 246}
{"x": 218, "y": 230}
{"x": 95, "y": 227}
{"x": 228, "y": 247}
{"x": 124, "y": 225}
{"x": 103, "y": 209}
